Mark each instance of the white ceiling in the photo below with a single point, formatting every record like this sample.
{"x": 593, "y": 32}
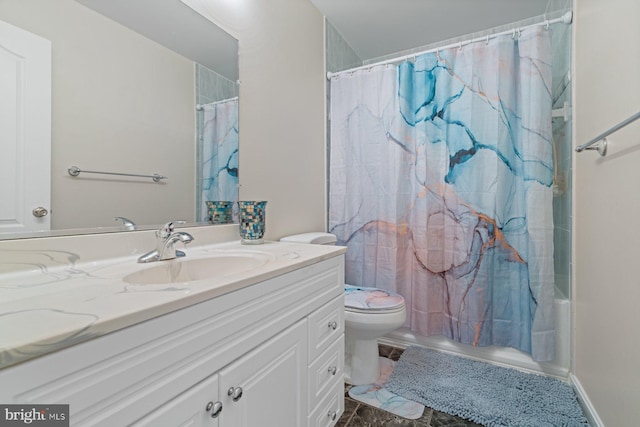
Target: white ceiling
{"x": 375, "y": 28}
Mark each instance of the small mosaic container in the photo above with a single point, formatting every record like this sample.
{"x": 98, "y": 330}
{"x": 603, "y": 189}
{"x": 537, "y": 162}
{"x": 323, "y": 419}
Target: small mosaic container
{"x": 252, "y": 221}
{"x": 220, "y": 212}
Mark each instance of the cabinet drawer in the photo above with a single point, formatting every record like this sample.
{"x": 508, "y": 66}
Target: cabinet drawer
{"x": 329, "y": 411}
{"x": 325, "y": 371}
{"x": 325, "y": 325}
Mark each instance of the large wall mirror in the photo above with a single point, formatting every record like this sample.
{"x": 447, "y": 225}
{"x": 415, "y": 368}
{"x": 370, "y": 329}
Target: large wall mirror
{"x": 137, "y": 87}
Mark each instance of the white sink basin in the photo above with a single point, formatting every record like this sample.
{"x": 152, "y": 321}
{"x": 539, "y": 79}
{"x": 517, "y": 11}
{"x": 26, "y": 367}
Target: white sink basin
{"x": 189, "y": 270}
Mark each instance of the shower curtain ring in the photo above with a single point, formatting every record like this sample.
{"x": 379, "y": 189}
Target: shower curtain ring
{"x": 546, "y": 24}
{"x": 487, "y": 40}
{"x": 459, "y": 45}
{"x": 516, "y": 33}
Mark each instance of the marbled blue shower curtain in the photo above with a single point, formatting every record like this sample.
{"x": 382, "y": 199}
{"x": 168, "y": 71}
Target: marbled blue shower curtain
{"x": 440, "y": 178}
{"x": 220, "y": 152}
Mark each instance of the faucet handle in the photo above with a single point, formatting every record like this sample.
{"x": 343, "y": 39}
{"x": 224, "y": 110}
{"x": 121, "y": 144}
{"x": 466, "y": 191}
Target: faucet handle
{"x": 166, "y": 230}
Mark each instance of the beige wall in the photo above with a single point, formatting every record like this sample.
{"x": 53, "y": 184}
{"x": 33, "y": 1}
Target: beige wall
{"x": 120, "y": 103}
{"x": 282, "y": 151}
{"x": 607, "y": 209}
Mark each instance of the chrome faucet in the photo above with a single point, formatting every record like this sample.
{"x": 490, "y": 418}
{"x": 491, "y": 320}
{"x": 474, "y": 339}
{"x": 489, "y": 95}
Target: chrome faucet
{"x": 126, "y": 223}
{"x": 166, "y": 239}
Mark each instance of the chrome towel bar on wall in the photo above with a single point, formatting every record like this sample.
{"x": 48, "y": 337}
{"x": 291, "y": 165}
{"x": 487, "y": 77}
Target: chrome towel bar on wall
{"x": 602, "y": 138}
{"x": 75, "y": 171}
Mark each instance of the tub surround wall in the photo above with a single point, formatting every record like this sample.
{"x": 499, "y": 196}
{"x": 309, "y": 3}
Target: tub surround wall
{"x": 563, "y": 156}
{"x": 212, "y": 87}
{"x": 339, "y": 55}
{"x": 607, "y": 230}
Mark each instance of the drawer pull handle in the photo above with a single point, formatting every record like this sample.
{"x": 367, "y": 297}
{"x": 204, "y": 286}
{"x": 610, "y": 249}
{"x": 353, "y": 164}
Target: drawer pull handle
{"x": 217, "y": 408}
{"x": 332, "y": 415}
{"x": 333, "y": 369}
{"x": 235, "y": 393}
{"x": 333, "y": 325}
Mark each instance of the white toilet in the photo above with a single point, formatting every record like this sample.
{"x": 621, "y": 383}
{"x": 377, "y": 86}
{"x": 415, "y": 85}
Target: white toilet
{"x": 369, "y": 314}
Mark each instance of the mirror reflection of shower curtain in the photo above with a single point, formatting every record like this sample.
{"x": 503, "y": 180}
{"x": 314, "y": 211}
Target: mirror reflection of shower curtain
{"x": 440, "y": 186}
{"x": 219, "y": 154}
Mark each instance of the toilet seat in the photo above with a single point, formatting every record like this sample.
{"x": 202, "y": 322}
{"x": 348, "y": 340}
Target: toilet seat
{"x": 360, "y": 299}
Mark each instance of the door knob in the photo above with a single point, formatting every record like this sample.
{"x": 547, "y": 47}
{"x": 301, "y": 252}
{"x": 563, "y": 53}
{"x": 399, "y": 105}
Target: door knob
{"x": 39, "y": 212}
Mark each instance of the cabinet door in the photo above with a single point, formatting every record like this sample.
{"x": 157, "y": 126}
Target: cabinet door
{"x": 267, "y": 387}
{"x": 197, "y": 407}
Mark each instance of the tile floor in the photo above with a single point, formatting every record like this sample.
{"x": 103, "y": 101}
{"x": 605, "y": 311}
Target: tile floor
{"x": 358, "y": 414}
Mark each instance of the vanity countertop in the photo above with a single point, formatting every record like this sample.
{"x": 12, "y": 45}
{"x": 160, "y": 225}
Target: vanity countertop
{"x": 48, "y": 308}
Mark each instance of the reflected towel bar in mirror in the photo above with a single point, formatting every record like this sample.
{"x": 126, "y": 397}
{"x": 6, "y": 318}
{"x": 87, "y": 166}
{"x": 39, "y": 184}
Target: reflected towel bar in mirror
{"x": 75, "y": 171}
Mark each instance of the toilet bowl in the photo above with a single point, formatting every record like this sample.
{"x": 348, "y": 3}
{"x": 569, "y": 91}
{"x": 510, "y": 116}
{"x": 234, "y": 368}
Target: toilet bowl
{"x": 369, "y": 314}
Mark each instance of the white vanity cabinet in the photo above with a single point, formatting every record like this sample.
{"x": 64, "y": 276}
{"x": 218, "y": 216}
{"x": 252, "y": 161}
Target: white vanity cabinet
{"x": 262, "y": 388}
{"x": 272, "y": 380}
{"x": 276, "y": 346}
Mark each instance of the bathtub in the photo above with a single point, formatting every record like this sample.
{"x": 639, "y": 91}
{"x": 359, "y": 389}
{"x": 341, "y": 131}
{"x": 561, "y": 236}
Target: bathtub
{"x": 504, "y": 356}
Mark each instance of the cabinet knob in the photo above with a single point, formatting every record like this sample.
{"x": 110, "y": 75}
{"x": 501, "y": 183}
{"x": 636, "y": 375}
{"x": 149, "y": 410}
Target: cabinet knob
{"x": 333, "y": 369}
{"x": 235, "y": 393}
{"x": 333, "y": 325}
{"x": 332, "y": 415}
{"x": 216, "y": 409}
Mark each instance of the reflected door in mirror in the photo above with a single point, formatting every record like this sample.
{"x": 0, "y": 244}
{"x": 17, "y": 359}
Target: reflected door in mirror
{"x": 25, "y": 130}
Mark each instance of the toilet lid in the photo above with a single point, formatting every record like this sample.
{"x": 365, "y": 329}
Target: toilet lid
{"x": 371, "y": 299}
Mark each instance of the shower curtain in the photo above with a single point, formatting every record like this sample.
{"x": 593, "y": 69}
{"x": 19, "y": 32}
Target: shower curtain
{"x": 219, "y": 153}
{"x": 440, "y": 186}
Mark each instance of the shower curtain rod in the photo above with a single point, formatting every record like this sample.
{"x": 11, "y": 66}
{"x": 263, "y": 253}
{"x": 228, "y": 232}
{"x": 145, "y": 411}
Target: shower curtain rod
{"x": 567, "y": 18}
{"x": 200, "y": 107}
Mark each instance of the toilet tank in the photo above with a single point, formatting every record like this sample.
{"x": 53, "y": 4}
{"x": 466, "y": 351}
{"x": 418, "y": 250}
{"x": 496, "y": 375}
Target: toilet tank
{"x": 317, "y": 238}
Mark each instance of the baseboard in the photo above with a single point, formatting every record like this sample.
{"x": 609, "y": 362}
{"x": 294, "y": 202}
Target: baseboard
{"x": 587, "y": 407}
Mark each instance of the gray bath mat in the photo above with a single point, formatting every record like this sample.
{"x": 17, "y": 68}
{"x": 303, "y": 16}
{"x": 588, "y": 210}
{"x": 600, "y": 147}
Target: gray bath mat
{"x": 486, "y": 394}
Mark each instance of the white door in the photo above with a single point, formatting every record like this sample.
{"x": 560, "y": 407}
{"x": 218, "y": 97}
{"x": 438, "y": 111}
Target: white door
{"x": 25, "y": 130}
{"x": 268, "y": 386}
